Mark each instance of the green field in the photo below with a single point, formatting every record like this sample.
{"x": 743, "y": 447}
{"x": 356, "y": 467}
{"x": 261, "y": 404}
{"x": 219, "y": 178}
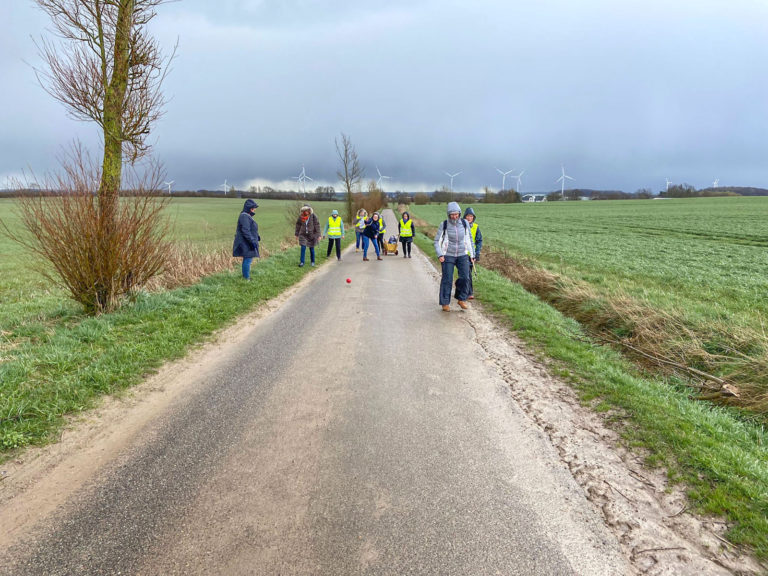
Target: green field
{"x": 209, "y": 223}
{"x": 682, "y": 281}
{"x": 706, "y": 260}
{"x": 54, "y": 360}
{"x": 708, "y": 257}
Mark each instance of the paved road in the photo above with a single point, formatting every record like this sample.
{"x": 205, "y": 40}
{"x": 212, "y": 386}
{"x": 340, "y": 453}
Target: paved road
{"x": 356, "y": 430}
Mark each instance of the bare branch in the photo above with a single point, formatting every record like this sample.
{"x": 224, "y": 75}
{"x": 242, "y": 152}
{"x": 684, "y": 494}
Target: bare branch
{"x": 81, "y": 68}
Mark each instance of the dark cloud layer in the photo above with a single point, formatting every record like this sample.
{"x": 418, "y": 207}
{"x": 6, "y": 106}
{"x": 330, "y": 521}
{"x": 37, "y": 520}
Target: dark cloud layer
{"x": 623, "y": 94}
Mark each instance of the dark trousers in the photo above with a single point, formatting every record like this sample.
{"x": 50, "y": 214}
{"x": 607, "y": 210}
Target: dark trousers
{"x": 460, "y": 263}
{"x": 331, "y": 242}
{"x": 381, "y": 242}
{"x": 470, "y": 285}
{"x": 406, "y": 246}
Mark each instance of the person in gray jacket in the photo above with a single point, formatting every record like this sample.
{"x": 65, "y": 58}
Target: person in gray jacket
{"x": 455, "y": 249}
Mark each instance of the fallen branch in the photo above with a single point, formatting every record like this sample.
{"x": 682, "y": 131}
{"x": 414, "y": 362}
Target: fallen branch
{"x": 725, "y": 388}
{"x": 659, "y": 549}
{"x": 617, "y": 491}
{"x": 676, "y": 514}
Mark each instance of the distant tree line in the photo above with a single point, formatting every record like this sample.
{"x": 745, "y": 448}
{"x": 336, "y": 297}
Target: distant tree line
{"x": 688, "y": 191}
{"x": 444, "y": 195}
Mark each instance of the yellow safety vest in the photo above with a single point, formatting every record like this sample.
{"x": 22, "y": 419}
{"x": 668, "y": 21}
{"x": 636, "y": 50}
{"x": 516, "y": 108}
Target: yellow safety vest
{"x": 382, "y": 229}
{"x": 334, "y": 226}
{"x": 360, "y": 222}
{"x": 405, "y": 228}
{"x": 473, "y": 231}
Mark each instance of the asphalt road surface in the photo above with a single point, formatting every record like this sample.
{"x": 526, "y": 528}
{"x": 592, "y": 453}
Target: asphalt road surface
{"x": 358, "y": 429}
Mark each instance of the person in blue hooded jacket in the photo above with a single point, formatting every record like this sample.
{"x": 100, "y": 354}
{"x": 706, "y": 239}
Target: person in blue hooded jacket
{"x": 477, "y": 241}
{"x": 247, "y": 237}
{"x": 370, "y": 235}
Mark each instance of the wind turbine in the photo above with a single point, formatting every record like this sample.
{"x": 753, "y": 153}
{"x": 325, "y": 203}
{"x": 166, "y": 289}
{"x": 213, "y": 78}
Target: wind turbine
{"x": 302, "y": 178}
{"x": 224, "y": 186}
{"x": 503, "y": 177}
{"x": 716, "y": 183}
{"x": 519, "y": 179}
{"x": 562, "y": 182}
{"x": 668, "y": 183}
{"x": 304, "y": 183}
{"x": 381, "y": 177}
{"x": 452, "y": 176}
{"x": 169, "y": 185}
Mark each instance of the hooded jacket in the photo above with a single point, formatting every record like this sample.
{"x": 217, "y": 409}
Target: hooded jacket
{"x": 372, "y": 227}
{"x": 362, "y": 214}
{"x": 328, "y": 225}
{"x": 478, "y": 235}
{"x": 247, "y": 233}
{"x": 453, "y": 237}
{"x": 413, "y": 228}
{"x": 308, "y": 232}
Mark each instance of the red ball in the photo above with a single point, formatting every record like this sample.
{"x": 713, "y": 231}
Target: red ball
{"x": 349, "y": 280}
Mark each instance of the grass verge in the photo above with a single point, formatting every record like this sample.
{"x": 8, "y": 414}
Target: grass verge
{"x": 721, "y": 458}
{"x": 725, "y": 362}
{"x": 62, "y": 368}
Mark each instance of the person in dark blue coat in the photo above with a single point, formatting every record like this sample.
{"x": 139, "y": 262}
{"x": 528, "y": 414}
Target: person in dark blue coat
{"x": 247, "y": 237}
{"x": 370, "y": 235}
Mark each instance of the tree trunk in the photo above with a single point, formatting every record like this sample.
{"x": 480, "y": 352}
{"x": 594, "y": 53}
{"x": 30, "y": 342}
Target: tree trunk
{"x": 114, "y": 101}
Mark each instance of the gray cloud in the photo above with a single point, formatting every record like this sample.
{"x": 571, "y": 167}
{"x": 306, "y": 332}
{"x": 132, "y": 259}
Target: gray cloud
{"x": 624, "y": 94}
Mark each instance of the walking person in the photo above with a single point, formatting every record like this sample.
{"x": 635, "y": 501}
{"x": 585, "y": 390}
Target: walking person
{"x": 308, "y": 233}
{"x": 247, "y": 237}
{"x": 405, "y": 231}
{"x": 370, "y": 235}
{"x": 362, "y": 214}
{"x": 477, "y": 242}
{"x": 334, "y": 231}
{"x": 454, "y": 248}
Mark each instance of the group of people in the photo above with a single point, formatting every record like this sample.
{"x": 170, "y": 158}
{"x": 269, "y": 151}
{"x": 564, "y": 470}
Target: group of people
{"x": 307, "y": 232}
{"x": 373, "y": 230}
{"x": 458, "y": 242}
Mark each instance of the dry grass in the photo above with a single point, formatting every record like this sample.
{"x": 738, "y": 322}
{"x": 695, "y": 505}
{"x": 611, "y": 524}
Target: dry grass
{"x": 722, "y": 361}
{"x": 101, "y": 246}
{"x": 186, "y": 264}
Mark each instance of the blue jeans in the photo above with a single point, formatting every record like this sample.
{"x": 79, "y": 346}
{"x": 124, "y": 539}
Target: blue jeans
{"x": 304, "y": 252}
{"x": 366, "y": 242}
{"x": 358, "y": 235}
{"x": 247, "y": 268}
{"x": 461, "y": 263}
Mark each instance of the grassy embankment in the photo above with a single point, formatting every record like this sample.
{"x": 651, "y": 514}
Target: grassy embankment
{"x": 56, "y": 361}
{"x": 702, "y": 261}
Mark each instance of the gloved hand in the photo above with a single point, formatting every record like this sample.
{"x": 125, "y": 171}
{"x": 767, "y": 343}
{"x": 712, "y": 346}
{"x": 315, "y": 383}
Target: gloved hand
{"x": 477, "y": 257}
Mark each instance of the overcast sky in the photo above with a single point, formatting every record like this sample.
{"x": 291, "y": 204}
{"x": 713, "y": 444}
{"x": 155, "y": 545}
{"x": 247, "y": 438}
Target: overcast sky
{"x": 624, "y": 94}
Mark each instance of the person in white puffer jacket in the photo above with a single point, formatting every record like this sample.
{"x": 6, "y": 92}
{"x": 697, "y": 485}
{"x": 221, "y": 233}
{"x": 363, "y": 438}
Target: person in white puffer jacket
{"x": 455, "y": 249}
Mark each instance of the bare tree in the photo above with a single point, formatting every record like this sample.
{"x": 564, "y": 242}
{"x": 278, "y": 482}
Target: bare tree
{"x": 64, "y": 226}
{"x": 350, "y": 172}
{"x": 108, "y": 70}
